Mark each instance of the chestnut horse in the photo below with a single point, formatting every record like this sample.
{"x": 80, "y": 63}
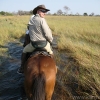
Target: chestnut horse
{"x": 40, "y": 76}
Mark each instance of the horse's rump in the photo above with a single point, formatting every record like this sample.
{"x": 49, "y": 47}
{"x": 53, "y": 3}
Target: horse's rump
{"x": 40, "y": 76}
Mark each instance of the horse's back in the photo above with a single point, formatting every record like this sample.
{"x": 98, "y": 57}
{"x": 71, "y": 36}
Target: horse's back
{"x": 47, "y": 65}
{"x": 38, "y": 65}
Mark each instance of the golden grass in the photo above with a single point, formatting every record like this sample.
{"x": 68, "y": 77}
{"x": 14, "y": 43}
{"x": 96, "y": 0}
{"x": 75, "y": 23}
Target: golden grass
{"x": 11, "y": 27}
{"x": 77, "y": 35}
{"x": 80, "y": 37}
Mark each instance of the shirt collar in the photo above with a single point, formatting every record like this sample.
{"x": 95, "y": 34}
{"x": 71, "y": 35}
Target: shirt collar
{"x": 37, "y": 15}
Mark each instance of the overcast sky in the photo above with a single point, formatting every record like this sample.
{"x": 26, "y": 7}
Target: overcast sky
{"x": 76, "y": 6}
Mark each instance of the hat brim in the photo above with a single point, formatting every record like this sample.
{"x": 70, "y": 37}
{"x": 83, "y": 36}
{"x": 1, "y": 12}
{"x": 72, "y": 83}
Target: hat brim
{"x": 37, "y": 8}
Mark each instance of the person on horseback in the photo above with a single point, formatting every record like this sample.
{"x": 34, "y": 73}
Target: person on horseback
{"x": 39, "y": 33}
{"x": 27, "y": 37}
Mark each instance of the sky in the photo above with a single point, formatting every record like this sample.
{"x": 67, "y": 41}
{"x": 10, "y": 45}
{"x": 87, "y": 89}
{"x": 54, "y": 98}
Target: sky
{"x": 76, "y": 6}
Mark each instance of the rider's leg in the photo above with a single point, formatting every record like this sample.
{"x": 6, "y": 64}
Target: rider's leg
{"x": 28, "y": 48}
{"x": 23, "y": 59}
{"x": 49, "y": 49}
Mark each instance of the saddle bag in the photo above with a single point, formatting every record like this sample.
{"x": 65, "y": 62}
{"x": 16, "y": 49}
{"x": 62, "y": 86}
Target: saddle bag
{"x": 39, "y": 44}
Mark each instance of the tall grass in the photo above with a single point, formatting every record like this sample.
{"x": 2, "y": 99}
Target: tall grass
{"x": 11, "y": 28}
{"x": 80, "y": 36}
{"x": 77, "y": 35}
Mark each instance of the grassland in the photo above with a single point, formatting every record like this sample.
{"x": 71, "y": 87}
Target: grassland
{"x": 78, "y": 36}
{"x": 11, "y": 28}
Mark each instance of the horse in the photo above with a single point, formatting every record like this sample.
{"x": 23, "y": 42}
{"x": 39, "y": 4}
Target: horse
{"x": 40, "y": 77}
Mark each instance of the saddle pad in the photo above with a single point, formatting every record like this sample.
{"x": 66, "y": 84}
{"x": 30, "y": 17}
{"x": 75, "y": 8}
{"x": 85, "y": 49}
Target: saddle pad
{"x": 40, "y": 52}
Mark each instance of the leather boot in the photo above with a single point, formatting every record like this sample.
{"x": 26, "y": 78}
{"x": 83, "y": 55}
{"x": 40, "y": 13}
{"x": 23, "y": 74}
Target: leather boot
{"x": 23, "y": 60}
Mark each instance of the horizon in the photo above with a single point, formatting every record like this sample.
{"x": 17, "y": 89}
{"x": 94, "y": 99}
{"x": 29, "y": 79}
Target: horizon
{"x": 77, "y": 6}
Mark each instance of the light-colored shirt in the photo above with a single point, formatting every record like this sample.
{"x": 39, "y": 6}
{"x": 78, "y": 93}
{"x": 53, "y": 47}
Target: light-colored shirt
{"x": 30, "y": 19}
{"x": 27, "y": 31}
{"x": 39, "y": 29}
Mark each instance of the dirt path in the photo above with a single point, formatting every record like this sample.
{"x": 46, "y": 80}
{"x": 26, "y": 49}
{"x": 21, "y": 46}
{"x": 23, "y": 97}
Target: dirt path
{"x": 11, "y": 83}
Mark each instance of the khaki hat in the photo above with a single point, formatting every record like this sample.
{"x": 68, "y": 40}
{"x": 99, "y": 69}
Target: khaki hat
{"x": 39, "y": 7}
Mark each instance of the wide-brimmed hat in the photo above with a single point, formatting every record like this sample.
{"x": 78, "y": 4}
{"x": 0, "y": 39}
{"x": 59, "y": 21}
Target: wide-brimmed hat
{"x": 39, "y": 7}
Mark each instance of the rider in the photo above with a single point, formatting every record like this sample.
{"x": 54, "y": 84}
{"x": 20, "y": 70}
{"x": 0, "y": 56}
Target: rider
{"x": 39, "y": 32}
{"x": 27, "y": 37}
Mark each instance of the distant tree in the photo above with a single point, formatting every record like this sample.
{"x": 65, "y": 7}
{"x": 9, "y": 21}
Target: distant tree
{"x": 20, "y": 12}
{"x": 14, "y": 13}
{"x": 31, "y": 12}
{"x": 66, "y": 10}
{"x": 2, "y": 13}
{"x": 8, "y": 14}
{"x": 5, "y": 13}
{"x": 64, "y": 13}
{"x": 48, "y": 13}
{"x": 55, "y": 14}
{"x": 71, "y": 14}
{"x": 59, "y": 12}
{"x": 77, "y": 14}
{"x": 92, "y": 14}
{"x": 85, "y": 14}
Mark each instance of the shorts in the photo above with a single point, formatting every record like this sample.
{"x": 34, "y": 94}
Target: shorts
{"x": 30, "y": 48}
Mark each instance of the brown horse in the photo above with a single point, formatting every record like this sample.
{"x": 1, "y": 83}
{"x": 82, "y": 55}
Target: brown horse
{"x": 40, "y": 76}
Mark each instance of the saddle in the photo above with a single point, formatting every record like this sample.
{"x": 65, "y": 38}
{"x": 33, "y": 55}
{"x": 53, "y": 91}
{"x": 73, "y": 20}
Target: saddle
{"x": 38, "y": 51}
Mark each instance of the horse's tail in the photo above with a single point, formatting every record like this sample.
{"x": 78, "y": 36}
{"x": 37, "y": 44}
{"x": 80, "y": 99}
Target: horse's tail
{"x": 39, "y": 86}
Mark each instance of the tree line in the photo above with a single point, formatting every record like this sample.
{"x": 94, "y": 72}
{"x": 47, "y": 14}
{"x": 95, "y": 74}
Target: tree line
{"x": 59, "y": 12}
